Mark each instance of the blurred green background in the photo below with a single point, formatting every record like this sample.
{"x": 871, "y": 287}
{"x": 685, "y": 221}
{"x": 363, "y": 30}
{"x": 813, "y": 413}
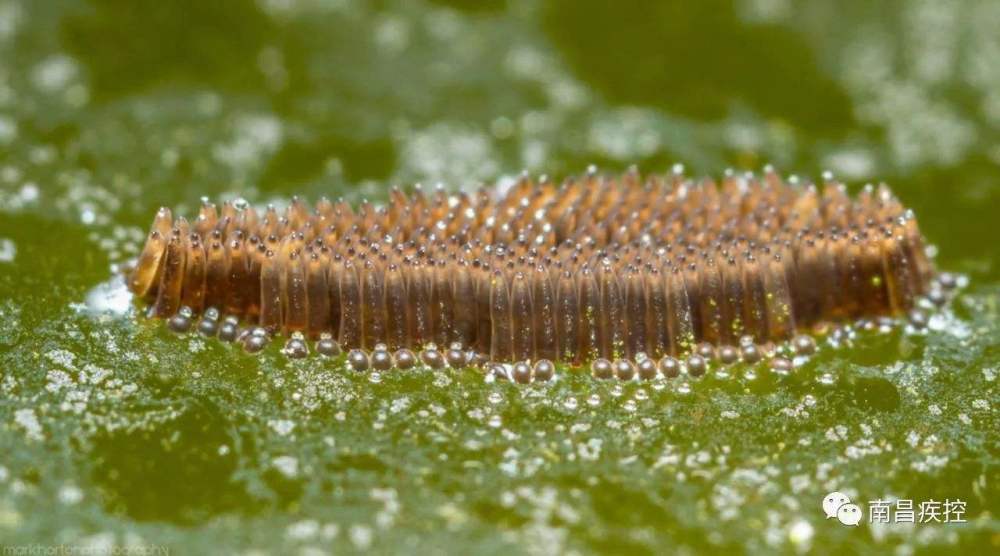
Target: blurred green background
{"x": 114, "y": 433}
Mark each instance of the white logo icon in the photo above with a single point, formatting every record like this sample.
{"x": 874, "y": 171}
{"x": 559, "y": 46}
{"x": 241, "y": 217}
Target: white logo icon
{"x": 838, "y": 505}
{"x": 833, "y": 501}
{"x": 849, "y": 514}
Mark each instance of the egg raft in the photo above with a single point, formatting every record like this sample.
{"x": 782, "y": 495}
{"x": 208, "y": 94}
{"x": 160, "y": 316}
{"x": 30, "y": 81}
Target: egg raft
{"x": 635, "y": 276}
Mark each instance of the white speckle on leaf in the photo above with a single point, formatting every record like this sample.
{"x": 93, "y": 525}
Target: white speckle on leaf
{"x": 591, "y": 450}
{"x": 448, "y": 153}
{"x": 392, "y": 34}
{"x": 800, "y": 533}
{"x": 361, "y": 536}
{"x": 302, "y": 530}
{"x": 930, "y": 463}
{"x": 27, "y": 419}
{"x": 854, "y": 164}
{"x": 287, "y": 465}
{"x": 253, "y": 138}
{"x": 70, "y": 494}
{"x": 92, "y": 374}
{"x": 54, "y": 73}
{"x": 281, "y": 426}
{"x": 8, "y": 250}
{"x": 399, "y": 404}
{"x": 626, "y": 134}
{"x": 111, "y": 297}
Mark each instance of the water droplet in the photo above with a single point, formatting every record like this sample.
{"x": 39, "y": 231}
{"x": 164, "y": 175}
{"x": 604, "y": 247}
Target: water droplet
{"x": 629, "y": 406}
{"x": 375, "y": 377}
{"x": 684, "y": 388}
{"x": 495, "y": 422}
{"x": 594, "y": 400}
{"x": 570, "y": 403}
{"x": 826, "y": 379}
{"x": 495, "y": 397}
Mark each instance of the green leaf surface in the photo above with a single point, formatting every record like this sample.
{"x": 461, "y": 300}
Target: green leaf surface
{"x": 115, "y": 432}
